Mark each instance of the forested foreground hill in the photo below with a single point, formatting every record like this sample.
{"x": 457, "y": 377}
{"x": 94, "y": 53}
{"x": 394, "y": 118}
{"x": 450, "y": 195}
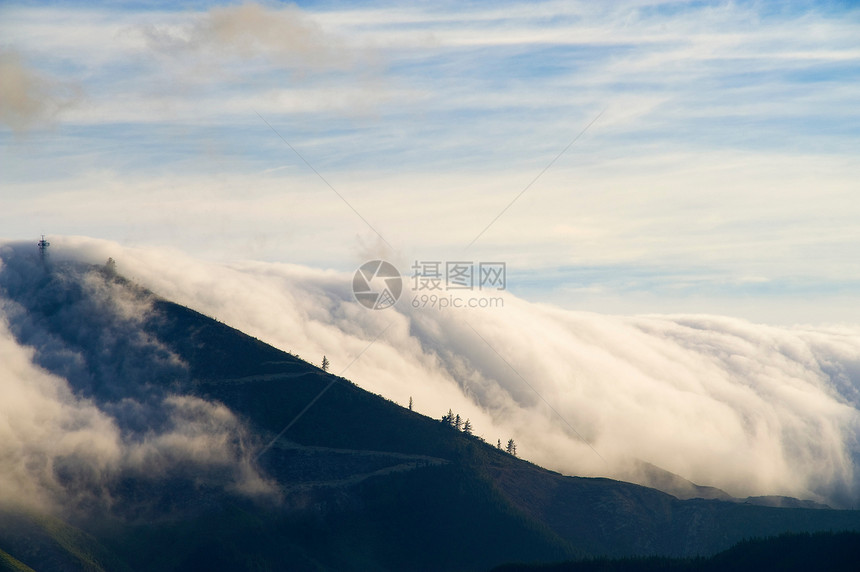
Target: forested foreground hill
{"x": 822, "y": 552}
{"x": 356, "y": 482}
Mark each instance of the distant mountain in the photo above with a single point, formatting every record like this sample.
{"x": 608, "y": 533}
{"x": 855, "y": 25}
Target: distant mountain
{"x": 652, "y": 476}
{"x": 356, "y": 482}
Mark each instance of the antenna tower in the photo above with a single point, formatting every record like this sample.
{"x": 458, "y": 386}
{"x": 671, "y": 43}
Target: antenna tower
{"x": 43, "y": 246}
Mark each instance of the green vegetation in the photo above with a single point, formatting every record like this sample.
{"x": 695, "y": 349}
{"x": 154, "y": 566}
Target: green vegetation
{"x": 10, "y": 564}
{"x": 44, "y": 542}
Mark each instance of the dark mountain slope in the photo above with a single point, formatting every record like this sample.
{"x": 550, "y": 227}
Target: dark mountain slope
{"x": 603, "y": 516}
{"x": 822, "y": 552}
{"x": 51, "y": 544}
{"x": 270, "y": 388}
{"x": 10, "y": 564}
{"x": 356, "y": 483}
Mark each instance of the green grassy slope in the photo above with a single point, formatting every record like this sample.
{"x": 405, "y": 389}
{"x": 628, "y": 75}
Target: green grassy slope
{"x": 10, "y": 564}
{"x": 44, "y": 542}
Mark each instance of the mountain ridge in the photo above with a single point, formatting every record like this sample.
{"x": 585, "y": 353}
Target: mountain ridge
{"x": 358, "y": 482}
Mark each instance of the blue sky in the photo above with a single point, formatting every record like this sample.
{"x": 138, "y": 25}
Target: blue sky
{"x": 720, "y": 177}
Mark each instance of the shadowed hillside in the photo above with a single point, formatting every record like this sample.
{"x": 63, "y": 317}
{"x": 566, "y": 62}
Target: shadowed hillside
{"x": 823, "y": 552}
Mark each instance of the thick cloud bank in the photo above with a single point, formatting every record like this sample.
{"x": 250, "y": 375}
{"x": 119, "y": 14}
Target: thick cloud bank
{"x": 749, "y": 408}
{"x": 81, "y": 416}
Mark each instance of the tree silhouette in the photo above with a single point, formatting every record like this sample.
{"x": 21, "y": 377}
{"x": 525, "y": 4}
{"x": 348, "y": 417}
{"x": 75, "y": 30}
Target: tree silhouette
{"x": 467, "y": 427}
{"x": 457, "y": 422}
{"x": 448, "y": 419}
{"x": 512, "y": 447}
{"x": 410, "y": 403}
{"x": 499, "y": 444}
{"x": 325, "y": 363}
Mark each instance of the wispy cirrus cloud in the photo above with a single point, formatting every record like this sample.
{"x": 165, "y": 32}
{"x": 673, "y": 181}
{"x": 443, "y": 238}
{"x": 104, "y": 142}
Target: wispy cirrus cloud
{"x": 726, "y": 149}
{"x": 285, "y": 36}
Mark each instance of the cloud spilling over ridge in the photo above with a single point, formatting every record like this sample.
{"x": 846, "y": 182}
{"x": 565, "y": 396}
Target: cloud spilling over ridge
{"x": 60, "y": 451}
{"x": 750, "y": 408}
{"x": 74, "y": 431}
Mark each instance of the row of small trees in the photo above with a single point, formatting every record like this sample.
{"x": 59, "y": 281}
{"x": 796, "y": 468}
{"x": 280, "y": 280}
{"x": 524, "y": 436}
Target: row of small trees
{"x": 455, "y": 421}
{"x": 451, "y": 419}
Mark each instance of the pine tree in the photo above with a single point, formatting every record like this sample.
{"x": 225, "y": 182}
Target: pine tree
{"x": 512, "y": 447}
{"x": 499, "y": 444}
{"x": 457, "y": 422}
{"x": 410, "y": 403}
{"x": 467, "y": 427}
{"x": 325, "y": 363}
{"x": 449, "y": 418}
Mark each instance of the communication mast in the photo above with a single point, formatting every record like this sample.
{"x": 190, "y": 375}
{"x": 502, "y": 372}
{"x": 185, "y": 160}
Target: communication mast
{"x": 43, "y": 246}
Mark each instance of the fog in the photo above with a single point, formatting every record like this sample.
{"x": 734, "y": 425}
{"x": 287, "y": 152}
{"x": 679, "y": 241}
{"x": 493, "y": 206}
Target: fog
{"x": 80, "y": 412}
{"x": 750, "y": 408}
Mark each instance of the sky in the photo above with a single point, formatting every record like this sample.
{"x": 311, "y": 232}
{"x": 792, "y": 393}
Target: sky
{"x": 717, "y": 171}
{"x": 670, "y": 185}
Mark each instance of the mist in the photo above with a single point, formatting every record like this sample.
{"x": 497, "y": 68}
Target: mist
{"x": 750, "y": 408}
{"x": 85, "y": 400}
